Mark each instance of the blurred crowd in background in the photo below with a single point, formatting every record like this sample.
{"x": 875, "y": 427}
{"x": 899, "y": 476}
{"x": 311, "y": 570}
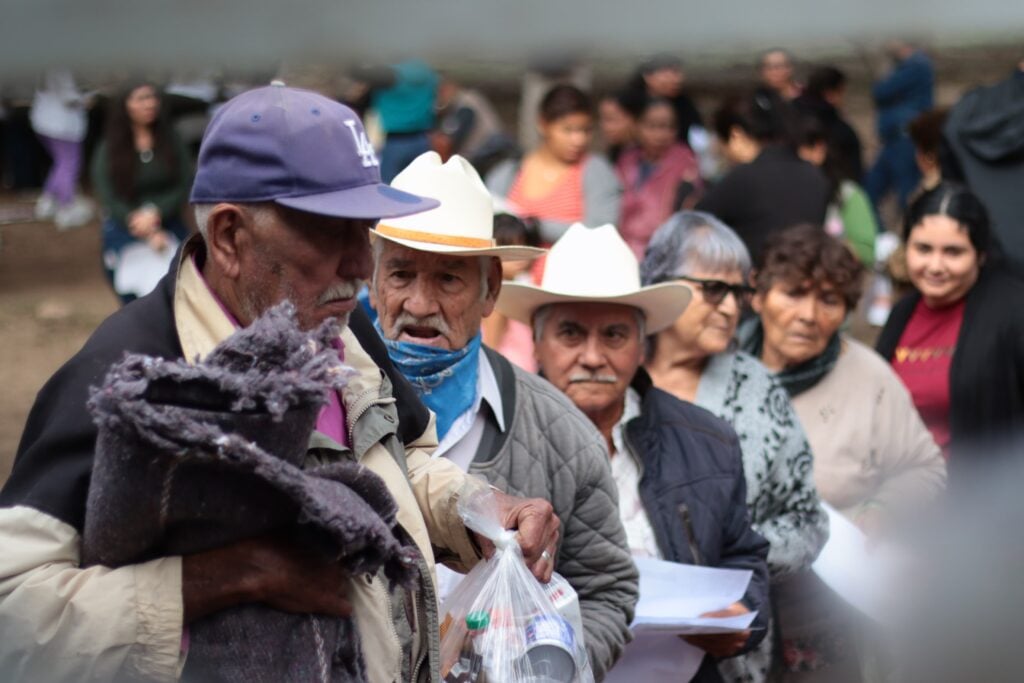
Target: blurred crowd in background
{"x": 802, "y": 251}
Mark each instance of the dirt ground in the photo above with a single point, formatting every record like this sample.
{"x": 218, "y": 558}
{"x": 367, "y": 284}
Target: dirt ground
{"x": 52, "y": 296}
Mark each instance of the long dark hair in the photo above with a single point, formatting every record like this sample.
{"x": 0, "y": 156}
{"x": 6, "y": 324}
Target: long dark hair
{"x": 955, "y": 201}
{"x": 122, "y": 156}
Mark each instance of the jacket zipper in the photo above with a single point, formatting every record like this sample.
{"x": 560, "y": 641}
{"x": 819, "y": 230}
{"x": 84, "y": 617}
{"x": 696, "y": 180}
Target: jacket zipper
{"x": 353, "y": 418}
{"x": 691, "y": 538}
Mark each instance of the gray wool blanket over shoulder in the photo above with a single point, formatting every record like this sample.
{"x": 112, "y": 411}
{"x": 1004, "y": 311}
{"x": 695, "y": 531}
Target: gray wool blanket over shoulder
{"x": 194, "y": 457}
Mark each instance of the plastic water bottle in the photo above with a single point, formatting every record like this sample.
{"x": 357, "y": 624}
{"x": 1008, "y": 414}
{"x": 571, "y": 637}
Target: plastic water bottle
{"x": 549, "y": 650}
{"x": 468, "y": 668}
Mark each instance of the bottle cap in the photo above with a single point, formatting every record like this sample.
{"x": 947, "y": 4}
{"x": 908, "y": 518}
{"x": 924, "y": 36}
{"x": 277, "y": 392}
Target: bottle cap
{"x": 476, "y": 621}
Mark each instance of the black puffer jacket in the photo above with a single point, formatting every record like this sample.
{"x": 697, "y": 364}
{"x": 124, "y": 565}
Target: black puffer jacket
{"x": 692, "y": 467}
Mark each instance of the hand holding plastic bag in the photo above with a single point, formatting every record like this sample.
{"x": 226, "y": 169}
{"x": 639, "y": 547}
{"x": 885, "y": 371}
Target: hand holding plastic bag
{"x": 500, "y": 625}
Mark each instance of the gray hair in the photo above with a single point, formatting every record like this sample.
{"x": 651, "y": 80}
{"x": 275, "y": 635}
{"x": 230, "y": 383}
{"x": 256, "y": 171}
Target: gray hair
{"x": 485, "y": 268}
{"x": 540, "y": 318}
{"x": 259, "y": 211}
{"x": 691, "y": 241}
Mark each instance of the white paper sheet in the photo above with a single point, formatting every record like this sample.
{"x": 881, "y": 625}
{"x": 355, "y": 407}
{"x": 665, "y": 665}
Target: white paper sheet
{"x": 847, "y": 566}
{"x": 672, "y": 598}
{"x": 677, "y": 594}
{"x": 140, "y": 267}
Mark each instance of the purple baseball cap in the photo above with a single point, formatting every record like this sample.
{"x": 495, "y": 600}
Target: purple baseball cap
{"x": 298, "y": 149}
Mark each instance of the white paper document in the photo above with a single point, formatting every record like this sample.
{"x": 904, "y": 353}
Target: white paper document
{"x": 673, "y": 596}
{"x": 859, "y": 574}
{"x": 140, "y": 267}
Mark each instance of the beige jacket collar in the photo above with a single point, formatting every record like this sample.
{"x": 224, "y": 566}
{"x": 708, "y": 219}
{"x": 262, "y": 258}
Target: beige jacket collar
{"x": 202, "y": 324}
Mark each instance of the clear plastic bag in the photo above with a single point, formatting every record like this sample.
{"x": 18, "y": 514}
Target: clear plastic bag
{"x": 500, "y": 624}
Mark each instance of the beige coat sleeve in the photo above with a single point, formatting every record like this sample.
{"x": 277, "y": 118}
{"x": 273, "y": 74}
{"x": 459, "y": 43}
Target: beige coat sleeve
{"x": 913, "y": 471}
{"x": 438, "y": 484}
{"x": 64, "y": 623}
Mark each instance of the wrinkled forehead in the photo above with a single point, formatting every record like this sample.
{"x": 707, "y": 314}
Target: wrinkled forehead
{"x": 800, "y": 285}
{"x": 594, "y": 315}
{"x": 398, "y": 256}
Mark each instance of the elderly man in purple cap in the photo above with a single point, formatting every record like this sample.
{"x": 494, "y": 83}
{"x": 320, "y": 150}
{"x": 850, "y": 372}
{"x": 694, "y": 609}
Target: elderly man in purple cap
{"x": 286, "y": 190}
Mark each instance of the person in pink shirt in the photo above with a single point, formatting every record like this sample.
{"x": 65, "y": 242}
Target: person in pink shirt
{"x": 659, "y": 175}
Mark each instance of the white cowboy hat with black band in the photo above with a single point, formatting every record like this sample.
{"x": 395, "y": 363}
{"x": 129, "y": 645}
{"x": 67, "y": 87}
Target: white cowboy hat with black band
{"x": 595, "y": 265}
{"x": 463, "y": 225}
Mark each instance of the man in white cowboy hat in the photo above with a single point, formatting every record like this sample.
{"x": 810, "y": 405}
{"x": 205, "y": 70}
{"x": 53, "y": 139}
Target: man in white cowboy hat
{"x": 678, "y": 468}
{"x": 434, "y": 280}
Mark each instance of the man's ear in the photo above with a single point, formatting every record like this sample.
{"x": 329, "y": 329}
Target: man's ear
{"x": 226, "y": 235}
{"x": 494, "y": 280}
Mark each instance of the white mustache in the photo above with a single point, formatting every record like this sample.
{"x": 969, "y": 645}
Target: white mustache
{"x": 586, "y": 377}
{"x": 406, "y": 319}
{"x": 343, "y": 290}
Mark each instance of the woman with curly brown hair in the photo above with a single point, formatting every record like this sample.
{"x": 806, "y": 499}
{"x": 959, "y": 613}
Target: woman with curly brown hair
{"x": 873, "y": 454}
{"x": 874, "y": 459}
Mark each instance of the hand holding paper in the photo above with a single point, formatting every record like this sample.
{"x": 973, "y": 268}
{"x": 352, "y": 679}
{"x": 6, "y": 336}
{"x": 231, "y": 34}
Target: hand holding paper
{"x": 722, "y": 644}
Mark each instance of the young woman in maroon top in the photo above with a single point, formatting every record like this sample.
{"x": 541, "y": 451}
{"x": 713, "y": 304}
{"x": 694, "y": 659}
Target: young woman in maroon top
{"x": 956, "y": 342}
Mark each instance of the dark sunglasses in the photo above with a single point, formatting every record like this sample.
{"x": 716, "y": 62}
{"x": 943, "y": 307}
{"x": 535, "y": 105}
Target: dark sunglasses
{"x": 714, "y": 291}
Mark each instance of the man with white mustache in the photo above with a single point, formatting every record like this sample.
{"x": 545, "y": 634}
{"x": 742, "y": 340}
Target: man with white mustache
{"x": 678, "y": 468}
{"x": 436, "y": 276}
{"x": 286, "y": 190}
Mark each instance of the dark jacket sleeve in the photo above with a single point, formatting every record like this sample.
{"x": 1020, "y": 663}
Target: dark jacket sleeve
{"x": 744, "y": 548}
{"x": 894, "y": 326}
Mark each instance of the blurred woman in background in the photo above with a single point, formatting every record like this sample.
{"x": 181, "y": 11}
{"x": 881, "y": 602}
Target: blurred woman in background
{"x": 561, "y": 182}
{"x": 957, "y": 340}
{"x": 616, "y": 117}
{"x": 141, "y": 174}
{"x": 659, "y": 175}
{"x": 770, "y": 187}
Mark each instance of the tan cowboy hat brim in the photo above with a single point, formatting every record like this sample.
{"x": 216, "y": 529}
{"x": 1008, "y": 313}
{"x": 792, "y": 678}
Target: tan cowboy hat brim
{"x": 662, "y": 304}
{"x": 433, "y": 243}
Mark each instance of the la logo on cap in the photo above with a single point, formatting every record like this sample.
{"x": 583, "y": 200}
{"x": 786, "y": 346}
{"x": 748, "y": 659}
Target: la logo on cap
{"x": 363, "y": 146}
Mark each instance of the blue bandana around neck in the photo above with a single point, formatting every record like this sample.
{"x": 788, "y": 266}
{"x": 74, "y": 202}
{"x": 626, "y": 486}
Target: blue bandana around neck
{"x": 445, "y": 380}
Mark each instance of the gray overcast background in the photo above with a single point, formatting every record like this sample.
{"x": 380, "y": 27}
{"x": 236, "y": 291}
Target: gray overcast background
{"x": 259, "y": 34}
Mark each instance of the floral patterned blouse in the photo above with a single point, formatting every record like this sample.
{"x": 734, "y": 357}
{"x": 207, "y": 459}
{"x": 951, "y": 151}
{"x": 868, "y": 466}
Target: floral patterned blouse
{"x": 778, "y": 464}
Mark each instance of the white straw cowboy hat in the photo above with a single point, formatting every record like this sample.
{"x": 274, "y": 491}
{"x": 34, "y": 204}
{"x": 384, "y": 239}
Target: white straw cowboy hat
{"x": 464, "y": 223}
{"x": 594, "y": 264}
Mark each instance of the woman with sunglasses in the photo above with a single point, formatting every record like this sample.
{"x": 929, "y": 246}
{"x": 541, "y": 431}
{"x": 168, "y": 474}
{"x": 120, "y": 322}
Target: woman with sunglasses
{"x": 695, "y": 360}
{"x": 874, "y": 458}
